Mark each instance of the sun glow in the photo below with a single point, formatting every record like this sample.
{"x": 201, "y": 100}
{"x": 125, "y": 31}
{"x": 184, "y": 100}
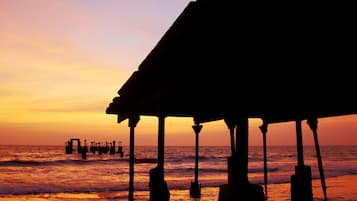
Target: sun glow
{"x": 60, "y": 70}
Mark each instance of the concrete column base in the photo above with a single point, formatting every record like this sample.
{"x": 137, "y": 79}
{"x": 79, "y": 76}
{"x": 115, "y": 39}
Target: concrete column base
{"x": 158, "y": 186}
{"x": 301, "y": 187}
{"x": 195, "y": 190}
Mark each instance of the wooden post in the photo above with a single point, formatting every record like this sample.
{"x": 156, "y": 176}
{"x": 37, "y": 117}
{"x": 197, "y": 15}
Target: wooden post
{"x": 231, "y": 161}
{"x": 231, "y": 126}
{"x": 239, "y": 188}
{"x": 158, "y": 186}
{"x": 301, "y": 186}
{"x": 195, "y": 190}
{"x": 299, "y": 145}
{"x": 132, "y": 124}
{"x": 161, "y": 143}
{"x": 264, "y": 129}
{"x": 312, "y": 122}
{"x": 242, "y": 150}
{"x": 197, "y": 129}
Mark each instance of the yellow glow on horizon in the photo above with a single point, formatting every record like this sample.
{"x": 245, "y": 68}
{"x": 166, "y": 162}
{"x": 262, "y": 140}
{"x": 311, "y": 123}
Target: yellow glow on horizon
{"x": 50, "y": 88}
{"x": 41, "y": 77}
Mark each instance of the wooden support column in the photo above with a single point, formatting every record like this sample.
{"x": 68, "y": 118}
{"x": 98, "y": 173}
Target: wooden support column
{"x": 312, "y": 122}
{"x": 158, "y": 186}
{"x": 299, "y": 144}
{"x": 230, "y": 122}
{"x": 161, "y": 143}
{"x": 301, "y": 187}
{"x": 195, "y": 190}
{"x": 132, "y": 124}
{"x": 79, "y": 148}
{"x": 242, "y": 150}
{"x": 231, "y": 162}
{"x": 238, "y": 187}
{"x": 264, "y": 130}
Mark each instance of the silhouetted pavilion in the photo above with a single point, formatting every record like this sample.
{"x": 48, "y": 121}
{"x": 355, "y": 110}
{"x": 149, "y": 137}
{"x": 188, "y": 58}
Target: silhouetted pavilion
{"x": 234, "y": 61}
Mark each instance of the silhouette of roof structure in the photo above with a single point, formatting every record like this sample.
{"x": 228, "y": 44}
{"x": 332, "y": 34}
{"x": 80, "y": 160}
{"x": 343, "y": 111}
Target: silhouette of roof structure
{"x": 278, "y": 61}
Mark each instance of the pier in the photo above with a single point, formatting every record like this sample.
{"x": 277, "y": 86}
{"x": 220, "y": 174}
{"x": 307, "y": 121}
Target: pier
{"x": 95, "y": 147}
{"x": 223, "y": 61}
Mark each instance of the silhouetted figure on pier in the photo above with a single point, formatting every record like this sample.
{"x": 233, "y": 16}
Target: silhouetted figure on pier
{"x": 112, "y": 147}
{"x": 93, "y": 147}
{"x": 69, "y": 147}
{"x": 84, "y": 153}
{"x": 100, "y": 149}
{"x": 120, "y": 150}
{"x": 105, "y": 148}
{"x": 84, "y": 150}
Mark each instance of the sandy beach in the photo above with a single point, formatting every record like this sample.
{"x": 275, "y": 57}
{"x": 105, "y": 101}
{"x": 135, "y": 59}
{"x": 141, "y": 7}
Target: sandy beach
{"x": 342, "y": 188}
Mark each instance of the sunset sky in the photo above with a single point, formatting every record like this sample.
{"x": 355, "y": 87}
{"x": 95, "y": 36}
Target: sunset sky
{"x": 62, "y": 62}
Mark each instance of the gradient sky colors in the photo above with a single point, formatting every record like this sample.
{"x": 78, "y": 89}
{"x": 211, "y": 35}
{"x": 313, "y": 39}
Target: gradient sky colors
{"x": 62, "y": 62}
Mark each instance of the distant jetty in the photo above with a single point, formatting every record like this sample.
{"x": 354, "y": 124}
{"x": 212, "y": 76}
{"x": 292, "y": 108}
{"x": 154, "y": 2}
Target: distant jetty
{"x": 95, "y": 147}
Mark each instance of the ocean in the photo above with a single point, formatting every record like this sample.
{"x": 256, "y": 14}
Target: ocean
{"x": 47, "y": 173}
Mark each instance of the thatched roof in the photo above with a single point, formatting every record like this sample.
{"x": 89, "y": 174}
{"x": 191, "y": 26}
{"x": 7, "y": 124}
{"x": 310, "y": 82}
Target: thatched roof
{"x": 277, "y": 62}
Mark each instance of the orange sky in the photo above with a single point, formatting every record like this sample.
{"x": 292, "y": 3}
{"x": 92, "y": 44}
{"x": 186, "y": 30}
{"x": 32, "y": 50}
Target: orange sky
{"x": 62, "y": 62}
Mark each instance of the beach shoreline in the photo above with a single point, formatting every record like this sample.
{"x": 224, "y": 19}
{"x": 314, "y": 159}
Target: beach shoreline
{"x": 341, "y": 188}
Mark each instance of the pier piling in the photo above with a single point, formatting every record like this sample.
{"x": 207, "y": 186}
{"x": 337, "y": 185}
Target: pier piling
{"x": 132, "y": 124}
{"x": 195, "y": 190}
{"x": 157, "y": 184}
{"x": 264, "y": 130}
{"x": 301, "y": 187}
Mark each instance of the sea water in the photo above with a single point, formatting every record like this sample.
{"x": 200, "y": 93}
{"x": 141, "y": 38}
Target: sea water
{"x": 46, "y": 170}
